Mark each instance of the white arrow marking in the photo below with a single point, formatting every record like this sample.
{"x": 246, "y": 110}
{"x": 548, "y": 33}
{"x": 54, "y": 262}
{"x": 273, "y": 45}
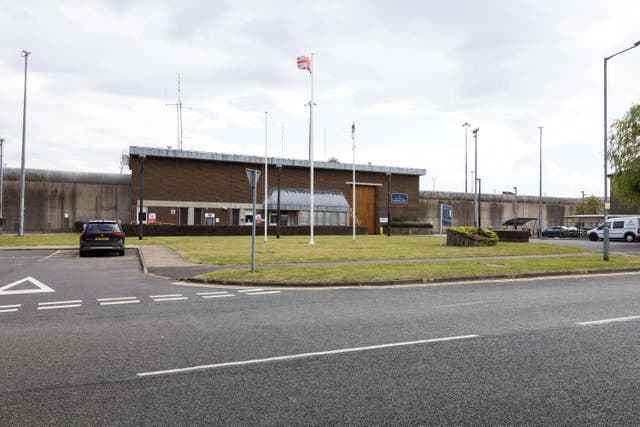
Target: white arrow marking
{"x": 41, "y": 287}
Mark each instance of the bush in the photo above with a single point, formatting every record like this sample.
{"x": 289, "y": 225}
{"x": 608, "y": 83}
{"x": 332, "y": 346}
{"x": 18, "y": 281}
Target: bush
{"x": 475, "y": 234}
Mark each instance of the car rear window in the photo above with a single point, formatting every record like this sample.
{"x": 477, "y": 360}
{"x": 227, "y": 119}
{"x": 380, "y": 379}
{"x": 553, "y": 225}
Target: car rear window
{"x": 101, "y": 228}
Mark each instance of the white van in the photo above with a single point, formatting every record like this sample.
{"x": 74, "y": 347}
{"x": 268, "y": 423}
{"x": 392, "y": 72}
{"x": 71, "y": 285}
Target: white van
{"x": 627, "y": 228}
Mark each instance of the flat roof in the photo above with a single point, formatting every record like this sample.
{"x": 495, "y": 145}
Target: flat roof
{"x": 239, "y": 158}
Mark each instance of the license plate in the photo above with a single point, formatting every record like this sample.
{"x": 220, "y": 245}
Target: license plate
{"x": 101, "y": 238}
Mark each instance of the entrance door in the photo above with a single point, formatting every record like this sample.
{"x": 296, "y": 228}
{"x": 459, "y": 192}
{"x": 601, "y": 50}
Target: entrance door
{"x": 235, "y": 216}
{"x": 366, "y": 208}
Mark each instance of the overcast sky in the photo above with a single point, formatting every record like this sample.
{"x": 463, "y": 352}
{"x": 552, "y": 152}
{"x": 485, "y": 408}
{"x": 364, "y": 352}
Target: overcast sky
{"x": 408, "y": 73}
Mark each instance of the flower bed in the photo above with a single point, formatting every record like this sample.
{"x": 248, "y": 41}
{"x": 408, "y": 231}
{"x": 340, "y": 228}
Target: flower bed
{"x": 471, "y": 236}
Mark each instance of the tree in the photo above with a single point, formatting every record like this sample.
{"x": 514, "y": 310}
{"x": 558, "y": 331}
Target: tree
{"x": 591, "y": 205}
{"x": 624, "y": 155}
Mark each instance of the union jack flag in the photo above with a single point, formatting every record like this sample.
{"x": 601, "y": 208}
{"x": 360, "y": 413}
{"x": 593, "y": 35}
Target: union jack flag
{"x": 304, "y": 63}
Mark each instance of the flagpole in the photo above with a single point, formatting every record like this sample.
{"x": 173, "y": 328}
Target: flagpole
{"x": 311, "y": 242}
{"x": 353, "y": 179}
{"x": 266, "y": 170}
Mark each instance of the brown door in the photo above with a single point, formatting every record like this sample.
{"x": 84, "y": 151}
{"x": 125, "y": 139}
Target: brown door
{"x": 366, "y": 208}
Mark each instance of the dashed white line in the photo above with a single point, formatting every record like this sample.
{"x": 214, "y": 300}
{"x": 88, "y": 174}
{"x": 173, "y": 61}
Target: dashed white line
{"x": 116, "y": 299}
{"x": 301, "y": 356}
{"x": 170, "y": 299}
{"x": 75, "y": 301}
{"x": 165, "y": 296}
{"x": 129, "y": 301}
{"x": 604, "y": 321}
{"x": 263, "y": 293}
{"x": 242, "y": 291}
{"x": 212, "y": 293}
{"x": 217, "y": 296}
{"x": 9, "y": 308}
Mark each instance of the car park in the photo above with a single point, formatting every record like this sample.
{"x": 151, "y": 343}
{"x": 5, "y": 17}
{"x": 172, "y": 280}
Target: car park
{"x": 627, "y": 228}
{"x": 102, "y": 235}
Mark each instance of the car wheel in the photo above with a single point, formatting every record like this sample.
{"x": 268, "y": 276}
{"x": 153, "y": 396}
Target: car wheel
{"x": 629, "y": 237}
{"x": 121, "y": 253}
{"x": 593, "y": 237}
{"x": 82, "y": 254}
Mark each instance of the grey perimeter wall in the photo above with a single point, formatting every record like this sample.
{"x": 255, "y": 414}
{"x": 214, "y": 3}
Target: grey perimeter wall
{"x": 495, "y": 209}
{"x": 55, "y": 201}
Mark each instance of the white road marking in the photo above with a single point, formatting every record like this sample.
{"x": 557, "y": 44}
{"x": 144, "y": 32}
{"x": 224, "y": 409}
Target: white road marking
{"x": 263, "y": 293}
{"x": 116, "y": 299}
{"x": 41, "y": 287}
{"x": 603, "y": 321}
{"x": 9, "y": 308}
{"x": 217, "y": 296}
{"x": 170, "y": 299}
{"x": 49, "y": 256}
{"x": 212, "y": 293}
{"x": 129, "y": 301}
{"x": 53, "y": 307}
{"x": 75, "y": 301}
{"x": 165, "y": 296}
{"x": 300, "y": 356}
{"x": 250, "y": 290}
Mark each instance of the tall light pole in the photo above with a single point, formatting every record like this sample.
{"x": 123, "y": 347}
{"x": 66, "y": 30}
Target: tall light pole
{"x": 476, "y": 213}
{"x": 515, "y": 208}
{"x": 540, "y": 189}
{"x": 25, "y": 54}
{"x": 1, "y": 179}
{"x": 141, "y": 210}
{"x": 465, "y": 125}
{"x": 266, "y": 176}
{"x": 479, "y": 181}
{"x": 605, "y": 240}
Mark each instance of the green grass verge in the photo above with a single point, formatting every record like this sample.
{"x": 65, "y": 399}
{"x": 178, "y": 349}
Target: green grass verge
{"x": 229, "y": 250}
{"x": 293, "y": 249}
{"x": 422, "y": 271}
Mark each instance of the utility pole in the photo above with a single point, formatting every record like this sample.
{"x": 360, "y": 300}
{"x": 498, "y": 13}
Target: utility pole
{"x": 1, "y": 180}
{"x": 25, "y": 54}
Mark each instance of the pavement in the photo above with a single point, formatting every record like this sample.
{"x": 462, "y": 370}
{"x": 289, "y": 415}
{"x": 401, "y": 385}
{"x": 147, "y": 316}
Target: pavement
{"x": 161, "y": 261}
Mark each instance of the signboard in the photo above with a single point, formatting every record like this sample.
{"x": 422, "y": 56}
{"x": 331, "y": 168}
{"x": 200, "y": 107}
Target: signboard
{"x": 152, "y": 217}
{"x": 209, "y": 218}
{"x": 446, "y": 212}
{"x": 399, "y": 198}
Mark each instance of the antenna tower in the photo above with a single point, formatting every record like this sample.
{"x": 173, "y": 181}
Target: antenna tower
{"x": 178, "y": 106}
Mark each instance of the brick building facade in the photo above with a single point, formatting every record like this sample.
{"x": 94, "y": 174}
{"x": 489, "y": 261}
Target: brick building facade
{"x": 189, "y": 187}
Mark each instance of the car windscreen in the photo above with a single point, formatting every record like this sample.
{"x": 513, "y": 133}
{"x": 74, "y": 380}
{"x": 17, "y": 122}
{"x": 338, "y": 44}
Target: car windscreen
{"x": 102, "y": 228}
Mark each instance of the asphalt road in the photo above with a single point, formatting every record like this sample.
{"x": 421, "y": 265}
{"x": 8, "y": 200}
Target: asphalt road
{"x": 507, "y": 352}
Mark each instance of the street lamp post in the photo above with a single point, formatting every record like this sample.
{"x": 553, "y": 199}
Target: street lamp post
{"x": 540, "y": 188}
{"x": 279, "y": 167}
{"x": 605, "y": 245}
{"x": 465, "y": 125}
{"x": 141, "y": 211}
{"x": 388, "y": 204}
{"x": 515, "y": 208}
{"x": 476, "y": 213}
{"x": 479, "y": 181}
{"x": 25, "y": 54}
{"x": 1, "y": 180}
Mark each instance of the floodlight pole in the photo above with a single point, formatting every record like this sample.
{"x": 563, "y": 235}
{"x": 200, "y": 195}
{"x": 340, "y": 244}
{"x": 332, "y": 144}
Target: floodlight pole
{"x": 266, "y": 175}
{"x": 388, "y": 204}
{"x": 476, "y": 212}
{"x": 25, "y": 54}
{"x": 1, "y": 180}
{"x": 279, "y": 167}
{"x": 515, "y": 207}
{"x": 141, "y": 211}
{"x": 465, "y": 125}
{"x": 540, "y": 190}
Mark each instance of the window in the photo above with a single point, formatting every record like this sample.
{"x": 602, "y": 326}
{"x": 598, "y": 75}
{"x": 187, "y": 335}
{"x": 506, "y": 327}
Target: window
{"x": 618, "y": 224}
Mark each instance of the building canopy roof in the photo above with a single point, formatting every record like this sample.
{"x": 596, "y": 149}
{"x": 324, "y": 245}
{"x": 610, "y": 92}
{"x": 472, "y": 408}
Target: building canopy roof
{"x": 300, "y": 200}
{"x": 257, "y": 160}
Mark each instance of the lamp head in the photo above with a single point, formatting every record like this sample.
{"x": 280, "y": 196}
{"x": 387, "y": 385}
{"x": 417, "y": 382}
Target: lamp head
{"x": 475, "y": 130}
{"x": 636, "y": 44}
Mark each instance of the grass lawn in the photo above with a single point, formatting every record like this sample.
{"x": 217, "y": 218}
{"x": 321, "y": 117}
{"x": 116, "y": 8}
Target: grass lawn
{"x": 294, "y": 249}
{"x": 422, "y": 271}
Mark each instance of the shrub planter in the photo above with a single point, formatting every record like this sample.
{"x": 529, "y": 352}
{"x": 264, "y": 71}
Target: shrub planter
{"x": 471, "y": 236}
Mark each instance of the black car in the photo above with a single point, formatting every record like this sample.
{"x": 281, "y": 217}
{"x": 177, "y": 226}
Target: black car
{"x": 102, "y": 235}
{"x": 555, "y": 231}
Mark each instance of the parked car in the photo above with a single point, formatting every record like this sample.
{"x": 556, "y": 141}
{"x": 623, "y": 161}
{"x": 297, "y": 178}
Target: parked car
{"x": 102, "y": 235}
{"x": 556, "y": 231}
{"x": 627, "y": 228}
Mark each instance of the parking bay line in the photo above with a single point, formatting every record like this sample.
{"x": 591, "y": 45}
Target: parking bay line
{"x": 301, "y": 356}
{"x": 605, "y": 321}
{"x": 263, "y": 293}
{"x": 165, "y": 296}
{"x": 169, "y": 299}
{"x": 217, "y": 296}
